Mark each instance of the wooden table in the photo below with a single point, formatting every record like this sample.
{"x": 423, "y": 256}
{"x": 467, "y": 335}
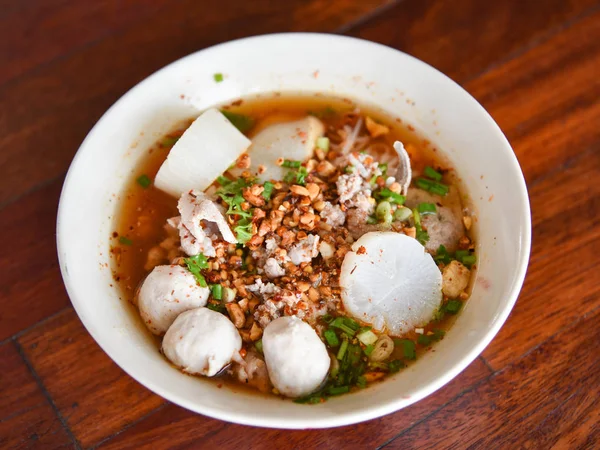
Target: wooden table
{"x": 533, "y": 64}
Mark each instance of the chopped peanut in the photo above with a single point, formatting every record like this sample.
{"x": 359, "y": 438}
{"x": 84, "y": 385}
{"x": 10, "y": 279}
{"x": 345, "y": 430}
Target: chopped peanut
{"x": 236, "y": 314}
{"x": 299, "y": 190}
{"x": 467, "y": 221}
{"x": 375, "y": 129}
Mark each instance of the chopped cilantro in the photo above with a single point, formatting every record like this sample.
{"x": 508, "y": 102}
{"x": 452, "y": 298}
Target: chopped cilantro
{"x": 442, "y": 255}
{"x": 453, "y": 306}
{"x": 218, "y": 307}
{"x": 195, "y": 264}
{"x": 395, "y": 365}
{"x": 288, "y": 163}
{"x": 428, "y": 339}
{"x": 243, "y": 230}
{"x": 268, "y": 190}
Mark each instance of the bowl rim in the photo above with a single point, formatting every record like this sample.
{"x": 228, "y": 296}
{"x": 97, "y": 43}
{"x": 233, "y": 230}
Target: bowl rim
{"x": 369, "y": 412}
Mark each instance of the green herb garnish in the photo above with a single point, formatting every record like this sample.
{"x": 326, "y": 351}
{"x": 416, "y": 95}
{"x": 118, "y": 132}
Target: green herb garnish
{"x": 258, "y": 345}
{"x": 169, "y": 141}
{"x": 421, "y": 234}
{"x": 432, "y": 186}
{"x": 331, "y": 338}
{"x": 408, "y": 348}
{"x": 395, "y": 365}
{"x": 426, "y": 208}
{"x": 442, "y": 255}
{"x": 218, "y": 77}
{"x": 195, "y": 264}
{"x": 240, "y": 121}
{"x": 144, "y": 181}
{"x": 288, "y": 163}
{"x": 125, "y": 240}
{"x": 429, "y": 172}
{"x": 453, "y": 306}
{"x": 342, "y": 351}
{"x": 218, "y": 307}
{"x": 216, "y": 291}
{"x": 425, "y": 340}
{"x": 268, "y": 190}
{"x": 390, "y": 196}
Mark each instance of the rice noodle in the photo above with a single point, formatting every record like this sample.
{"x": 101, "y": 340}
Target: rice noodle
{"x": 351, "y": 139}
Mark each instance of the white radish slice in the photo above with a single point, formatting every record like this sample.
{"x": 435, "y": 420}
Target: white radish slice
{"x": 201, "y": 341}
{"x": 390, "y": 282}
{"x": 289, "y": 140}
{"x": 205, "y": 150}
{"x": 404, "y": 173}
{"x": 296, "y": 358}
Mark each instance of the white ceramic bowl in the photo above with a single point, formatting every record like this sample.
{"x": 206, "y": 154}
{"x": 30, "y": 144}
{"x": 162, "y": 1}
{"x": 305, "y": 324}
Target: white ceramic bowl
{"x": 361, "y": 70}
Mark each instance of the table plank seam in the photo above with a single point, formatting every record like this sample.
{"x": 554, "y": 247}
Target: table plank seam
{"x": 25, "y": 330}
{"x": 366, "y": 18}
{"x": 487, "y": 364}
{"x": 436, "y": 410}
{"x": 135, "y": 422}
{"x": 496, "y": 373}
{"x": 46, "y": 394}
{"x": 535, "y": 42}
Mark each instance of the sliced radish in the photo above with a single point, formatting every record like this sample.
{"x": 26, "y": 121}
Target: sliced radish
{"x": 294, "y": 141}
{"x": 207, "y": 148}
{"x": 390, "y": 282}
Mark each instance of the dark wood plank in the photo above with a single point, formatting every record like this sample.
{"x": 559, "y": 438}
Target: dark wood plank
{"x": 94, "y": 395}
{"x": 464, "y": 37}
{"x": 511, "y": 408}
{"x": 55, "y": 107}
{"x": 46, "y": 29}
{"x": 549, "y": 115}
{"x": 176, "y": 427}
{"x": 31, "y": 287}
{"x": 26, "y": 418}
{"x": 562, "y": 282}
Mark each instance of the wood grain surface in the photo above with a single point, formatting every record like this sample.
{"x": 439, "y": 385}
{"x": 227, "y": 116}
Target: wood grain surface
{"x": 534, "y": 65}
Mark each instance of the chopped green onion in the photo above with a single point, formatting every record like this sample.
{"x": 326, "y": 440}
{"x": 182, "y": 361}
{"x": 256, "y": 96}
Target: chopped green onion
{"x": 240, "y": 121}
{"x": 442, "y": 255}
{"x": 369, "y": 349}
{"x": 327, "y": 318}
{"x": 421, "y": 234}
{"x": 361, "y": 382}
{"x": 383, "y": 210}
{"x": 338, "y": 390}
{"x": 331, "y": 338}
{"x": 426, "y": 208}
{"x": 194, "y": 265}
{"x": 342, "y": 351}
{"x": 169, "y": 141}
{"x": 384, "y": 168}
{"x": 291, "y": 164}
{"x": 258, "y": 345}
{"x": 453, "y": 306}
{"x": 439, "y": 189}
{"x": 373, "y": 179}
{"x": 425, "y": 339}
{"x": 229, "y": 294}
{"x": 268, "y": 190}
{"x": 402, "y": 213}
{"x": 341, "y": 324}
{"x": 367, "y": 337}
{"x": 432, "y": 186}
{"x": 216, "y": 307}
{"x": 379, "y": 365}
{"x": 469, "y": 260}
{"x": 408, "y": 348}
{"x": 144, "y": 181}
{"x": 396, "y": 365}
{"x": 433, "y": 174}
{"x": 218, "y": 77}
{"x": 390, "y": 196}
{"x": 323, "y": 143}
{"x": 125, "y": 240}
{"x": 301, "y": 177}
{"x": 217, "y": 291}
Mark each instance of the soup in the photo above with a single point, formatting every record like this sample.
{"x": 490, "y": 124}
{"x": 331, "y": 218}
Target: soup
{"x": 303, "y": 246}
